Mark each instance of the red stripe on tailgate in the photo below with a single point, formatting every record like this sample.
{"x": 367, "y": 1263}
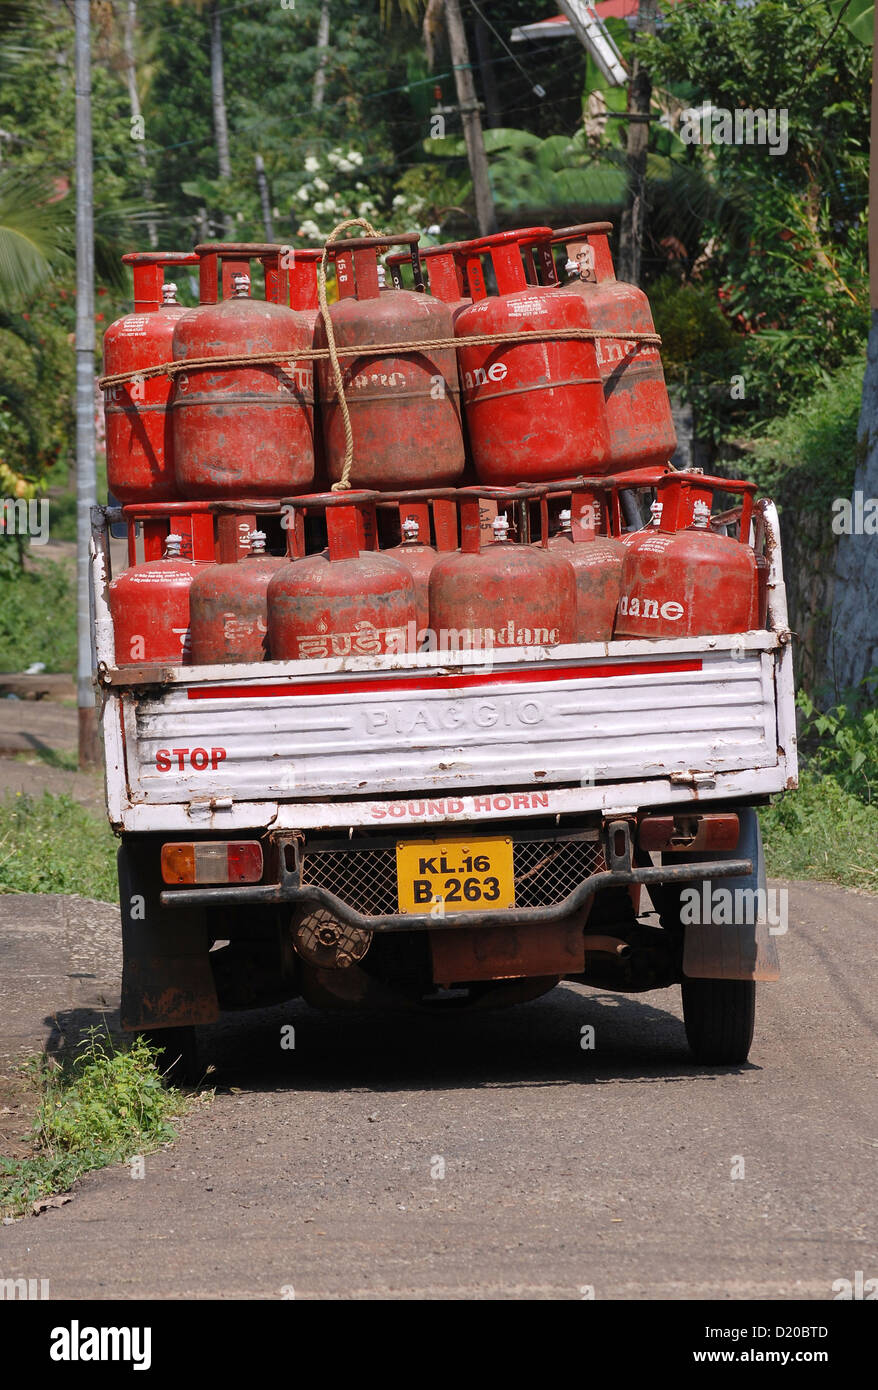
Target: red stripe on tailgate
{"x": 382, "y": 685}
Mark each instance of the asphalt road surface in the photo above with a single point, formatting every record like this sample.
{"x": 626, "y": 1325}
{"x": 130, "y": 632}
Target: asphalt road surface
{"x": 481, "y": 1155}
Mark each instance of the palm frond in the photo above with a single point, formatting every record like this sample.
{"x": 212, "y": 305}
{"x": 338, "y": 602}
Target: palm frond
{"x": 35, "y": 233}
{"x": 409, "y": 9}
{"x": 14, "y": 14}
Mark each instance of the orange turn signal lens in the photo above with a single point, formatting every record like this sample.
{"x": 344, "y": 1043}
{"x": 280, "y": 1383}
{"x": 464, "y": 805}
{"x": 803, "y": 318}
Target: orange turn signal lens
{"x": 178, "y": 863}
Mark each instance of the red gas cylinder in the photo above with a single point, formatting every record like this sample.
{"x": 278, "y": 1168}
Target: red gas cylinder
{"x": 580, "y": 264}
{"x": 352, "y": 603}
{"x": 640, "y": 426}
{"x": 445, "y": 271}
{"x": 501, "y": 594}
{"x": 302, "y": 269}
{"x": 597, "y": 564}
{"x": 150, "y": 608}
{"x": 149, "y": 524}
{"x": 419, "y": 559}
{"x": 686, "y": 583}
{"x": 534, "y": 409}
{"x": 242, "y": 430}
{"x": 404, "y": 407}
{"x": 140, "y": 457}
{"x": 229, "y": 607}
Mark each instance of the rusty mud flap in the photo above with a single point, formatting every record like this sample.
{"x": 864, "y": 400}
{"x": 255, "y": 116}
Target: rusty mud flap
{"x": 727, "y": 935}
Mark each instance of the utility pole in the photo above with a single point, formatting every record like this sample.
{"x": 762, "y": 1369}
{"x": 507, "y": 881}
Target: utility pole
{"x": 639, "y": 95}
{"x": 322, "y": 55}
{"x": 218, "y": 101}
{"x": 86, "y": 480}
{"x": 486, "y": 217}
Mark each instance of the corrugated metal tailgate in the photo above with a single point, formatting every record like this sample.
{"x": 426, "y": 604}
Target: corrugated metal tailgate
{"x": 383, "y": 732}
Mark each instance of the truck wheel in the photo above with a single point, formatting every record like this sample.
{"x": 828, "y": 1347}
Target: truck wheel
{"x": 178, "y": 1053}
{"x": 719, "y": 1016}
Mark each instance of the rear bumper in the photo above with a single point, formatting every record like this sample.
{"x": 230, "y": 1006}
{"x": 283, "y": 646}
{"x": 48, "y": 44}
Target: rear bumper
{"x": 291, "y": 891}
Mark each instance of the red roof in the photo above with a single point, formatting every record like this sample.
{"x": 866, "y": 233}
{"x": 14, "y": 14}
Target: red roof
{"x": 560, "y": 27}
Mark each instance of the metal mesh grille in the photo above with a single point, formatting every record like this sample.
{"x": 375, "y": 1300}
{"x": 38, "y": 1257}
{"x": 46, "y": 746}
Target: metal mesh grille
{"x": 546, "y": 872}
{"x": 365, "y": 879}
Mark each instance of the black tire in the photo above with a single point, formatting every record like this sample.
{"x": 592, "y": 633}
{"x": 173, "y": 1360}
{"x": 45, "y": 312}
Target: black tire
{"x": 178, "y": 1054}
{"x": 719, "y": 1017}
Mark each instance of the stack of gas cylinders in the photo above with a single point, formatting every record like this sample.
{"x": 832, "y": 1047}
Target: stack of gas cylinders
{"x": 495, "y": 437}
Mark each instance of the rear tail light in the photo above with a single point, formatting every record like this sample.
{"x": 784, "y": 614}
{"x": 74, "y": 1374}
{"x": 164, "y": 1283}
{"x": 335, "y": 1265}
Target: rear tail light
{"x": 212, "y": 861}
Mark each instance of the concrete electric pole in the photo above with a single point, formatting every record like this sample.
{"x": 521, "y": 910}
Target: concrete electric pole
{"x": 86, "y": 481}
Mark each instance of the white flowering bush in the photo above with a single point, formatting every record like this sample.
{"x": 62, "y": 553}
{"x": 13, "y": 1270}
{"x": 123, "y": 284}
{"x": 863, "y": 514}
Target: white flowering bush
{"x": 338, "y": 186}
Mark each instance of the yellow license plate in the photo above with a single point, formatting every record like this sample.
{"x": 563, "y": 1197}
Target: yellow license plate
{"x": 445, "y": 876}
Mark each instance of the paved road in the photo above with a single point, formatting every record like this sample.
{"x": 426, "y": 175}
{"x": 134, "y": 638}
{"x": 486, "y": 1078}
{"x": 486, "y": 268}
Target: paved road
{"x": 318, "y": 1169}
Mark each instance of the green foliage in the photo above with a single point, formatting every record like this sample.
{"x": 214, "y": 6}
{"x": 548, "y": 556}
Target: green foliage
{"x": 700, "y": 350}
{"x": 788, "y": 246}
{"x": 36, "y": 226}
{"x": 858, "y": 15}
{"x": 103, "y": 1106}
{"x": 810, "y": 455}
{"x": 824, "y": 832}
{"x": 802, "y": 303}
{"x": 691, "y": 324}
{"x": 828, "y": 829}
{"x": 841, "y": 743}
{"x": 556, "y": 179}
{"x": 37, "y": 612}
{"x": 51, "y": 844}
{"x": 36, "y": 385}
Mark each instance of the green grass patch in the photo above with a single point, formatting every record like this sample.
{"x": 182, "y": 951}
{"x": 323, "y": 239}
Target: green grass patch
{"x": 38, "y": 616}
{"x": 822, "y": 831}
{"x": 65, "y": 759}
{"x": 103, "y": 1105}
{"x": 51, "y": 844}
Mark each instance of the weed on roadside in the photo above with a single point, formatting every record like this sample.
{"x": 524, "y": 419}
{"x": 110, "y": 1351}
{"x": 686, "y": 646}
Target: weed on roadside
{"x": 822, "y": 831}
{"x": 103, "y": 1105}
